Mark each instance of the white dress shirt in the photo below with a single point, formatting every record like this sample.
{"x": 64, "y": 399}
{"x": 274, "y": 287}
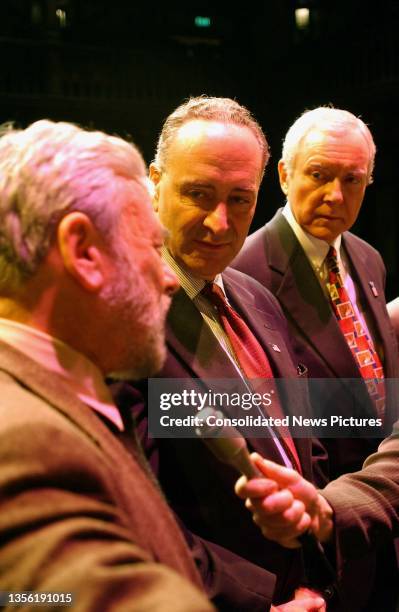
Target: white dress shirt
{"x": 193, "y": 286}
{"x": 316, "y": 251}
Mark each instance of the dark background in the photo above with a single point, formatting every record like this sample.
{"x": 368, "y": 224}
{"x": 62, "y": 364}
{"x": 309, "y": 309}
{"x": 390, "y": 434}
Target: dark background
{"x": 124, "y": 66}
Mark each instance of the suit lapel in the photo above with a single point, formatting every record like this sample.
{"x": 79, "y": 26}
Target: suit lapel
{"x": 150, "y": 527}
{"x": 303, "y": 300}
{"x": 193, "y": 341}
{"x": 56, "y": 391}
{"x": 375, "y": 304}
{"x": 262, "y": 325}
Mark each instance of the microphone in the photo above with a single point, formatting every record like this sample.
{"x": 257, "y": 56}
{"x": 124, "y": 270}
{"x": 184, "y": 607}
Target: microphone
{"x": 230, "y": 447}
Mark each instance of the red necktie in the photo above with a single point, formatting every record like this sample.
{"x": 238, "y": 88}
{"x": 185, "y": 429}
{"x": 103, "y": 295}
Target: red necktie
{"x": 250, "y": 356}
{"x": 366, "y": 357}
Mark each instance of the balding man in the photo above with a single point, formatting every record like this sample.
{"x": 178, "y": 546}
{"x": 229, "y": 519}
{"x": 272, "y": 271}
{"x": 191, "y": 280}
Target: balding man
{"x": 207, "y": 171}
{"x": 82, "y": 520}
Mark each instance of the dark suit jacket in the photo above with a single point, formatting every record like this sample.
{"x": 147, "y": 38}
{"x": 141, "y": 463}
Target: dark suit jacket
{"x": 274, "y": 257}
{"x": 77, "y": 512}
{"x": 199, "y": 487}
{"x": 366, "y": 515}
{"x": 374, "y": 518}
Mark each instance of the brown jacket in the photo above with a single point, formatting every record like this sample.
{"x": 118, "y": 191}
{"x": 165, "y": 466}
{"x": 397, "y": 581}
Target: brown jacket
{"x": 79, "y": 514}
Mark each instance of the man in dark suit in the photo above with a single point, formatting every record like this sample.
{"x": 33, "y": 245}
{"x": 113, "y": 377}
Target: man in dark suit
{"x": 207, "y": 171}
{"x": 326, "y": 165}
{"x": 82, "y": 518}
{"x": 362, "y": 509}
{"x": 357, "y": 514}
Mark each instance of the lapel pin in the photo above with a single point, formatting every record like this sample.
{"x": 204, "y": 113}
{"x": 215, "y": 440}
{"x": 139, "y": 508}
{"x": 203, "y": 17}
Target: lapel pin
{"x": 373, "y": 289}
{"x": 276, "y": 348}
{"x": 301, "y": 369}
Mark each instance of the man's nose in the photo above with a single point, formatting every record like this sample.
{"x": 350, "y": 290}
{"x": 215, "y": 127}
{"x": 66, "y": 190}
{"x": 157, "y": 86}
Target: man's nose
{"x": 170, "y": 280}
{"x": 217, "y": 219}
{"x": 334, "y": 191}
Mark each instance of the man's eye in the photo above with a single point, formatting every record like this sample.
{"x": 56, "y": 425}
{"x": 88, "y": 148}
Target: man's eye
{"x": 197, "y": 194}
{"x": 316, "y": 174}
{"x": 242, "y": 201}
{"x": 353, "y": 180}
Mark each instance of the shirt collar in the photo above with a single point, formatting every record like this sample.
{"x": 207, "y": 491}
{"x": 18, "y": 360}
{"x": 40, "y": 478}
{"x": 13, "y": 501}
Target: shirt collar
{"x": 81, "y": 374}
{"x": 191, "y": 284}
{"x": 315, "y": 249}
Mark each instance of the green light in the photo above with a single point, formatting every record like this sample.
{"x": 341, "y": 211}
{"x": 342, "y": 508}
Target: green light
{"x": 202, "y": 22}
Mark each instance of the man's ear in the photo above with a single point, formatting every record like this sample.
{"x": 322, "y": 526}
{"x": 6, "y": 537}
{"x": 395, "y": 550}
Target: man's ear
{"x": 283, "y": 175}
{"x": 82, "y": 250}
{"x": 155, "y": 176}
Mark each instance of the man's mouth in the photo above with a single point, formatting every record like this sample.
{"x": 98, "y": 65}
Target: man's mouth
{"x": 328, "y": 217}
{"x": 212, "y": 246}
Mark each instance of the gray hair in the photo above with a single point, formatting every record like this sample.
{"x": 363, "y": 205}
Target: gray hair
{"x": 48, "y": 170}
{"x": 324, "y": 118}
{"x": 223, "y": 110}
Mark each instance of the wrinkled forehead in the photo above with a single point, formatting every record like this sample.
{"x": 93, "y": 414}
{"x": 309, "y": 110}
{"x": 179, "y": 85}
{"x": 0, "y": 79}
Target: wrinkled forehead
{"x": 350, "y": 141}
{"x": 199, "y": 133}
{"x": 200, "y": 128}
{"x": 205, "y": 146}
{"x": 350, "y": 134}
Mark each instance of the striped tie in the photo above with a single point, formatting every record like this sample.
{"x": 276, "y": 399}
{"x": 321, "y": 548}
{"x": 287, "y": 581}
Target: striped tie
{"x": 250, "y": 356}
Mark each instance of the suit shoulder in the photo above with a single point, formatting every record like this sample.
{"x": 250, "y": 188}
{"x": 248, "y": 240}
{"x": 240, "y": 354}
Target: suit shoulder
{"x": 260, "y": 250}
{"x": 253, "y": 259}
{"x": 239, "y": 282}
{"x": 241, "y": 279}
{"x": 253, "y": 248}
{"x": 24, "y": 411}
{"x": 26, "y": 404}
{"x": 256, "y": 238}
{"x": 354, "y": 241}
{"x": 358, "y": 245}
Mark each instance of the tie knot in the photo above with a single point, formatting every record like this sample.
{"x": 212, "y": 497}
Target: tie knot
{"x": 214, "y": 293}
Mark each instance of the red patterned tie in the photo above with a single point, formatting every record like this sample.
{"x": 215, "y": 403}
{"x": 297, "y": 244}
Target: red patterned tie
{"x": 250, "y": 355}
{"x": 366, "y": 357}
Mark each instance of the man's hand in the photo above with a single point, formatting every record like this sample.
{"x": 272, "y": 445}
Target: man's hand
{"x": 305, "y": 601}
{"x": 293, "y": 508}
